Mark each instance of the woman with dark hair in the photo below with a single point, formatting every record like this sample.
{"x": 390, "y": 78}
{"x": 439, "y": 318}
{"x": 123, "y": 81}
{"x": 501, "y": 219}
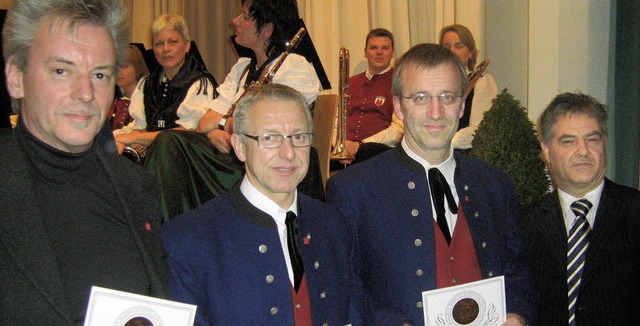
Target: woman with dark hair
{"x": 193, "y": 168}
{"x": 264, "y": 26}
{"x": 174, "y": 95}
{"x": 459, "y": 40}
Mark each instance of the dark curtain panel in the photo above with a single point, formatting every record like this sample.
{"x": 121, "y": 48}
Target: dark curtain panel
{"x": 627, "y": 90}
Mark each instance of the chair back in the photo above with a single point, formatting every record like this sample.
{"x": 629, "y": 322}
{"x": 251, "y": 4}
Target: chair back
{"x": 324, "y": 118}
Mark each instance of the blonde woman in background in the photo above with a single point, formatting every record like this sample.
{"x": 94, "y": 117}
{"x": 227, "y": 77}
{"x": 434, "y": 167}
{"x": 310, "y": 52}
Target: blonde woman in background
{"x": 459, "y": 40}
{"x": 175, "y": 94}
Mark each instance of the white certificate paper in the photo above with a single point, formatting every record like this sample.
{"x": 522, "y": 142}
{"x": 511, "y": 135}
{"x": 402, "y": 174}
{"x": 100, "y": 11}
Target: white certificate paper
{"x": 116, "y": 308}
{"x": 471, "y": 304}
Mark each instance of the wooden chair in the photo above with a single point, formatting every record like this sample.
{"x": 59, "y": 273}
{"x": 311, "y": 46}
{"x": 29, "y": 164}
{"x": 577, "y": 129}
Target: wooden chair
{"x": 324, "y": 116}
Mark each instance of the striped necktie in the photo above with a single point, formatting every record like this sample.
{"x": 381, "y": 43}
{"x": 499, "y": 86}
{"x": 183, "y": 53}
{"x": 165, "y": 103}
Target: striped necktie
{"x": 577, "y": 245}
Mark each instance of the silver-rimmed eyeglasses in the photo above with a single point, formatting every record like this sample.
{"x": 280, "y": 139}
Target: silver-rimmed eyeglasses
{"x": 271, "y": 141}
{"x": 424, "y": 98}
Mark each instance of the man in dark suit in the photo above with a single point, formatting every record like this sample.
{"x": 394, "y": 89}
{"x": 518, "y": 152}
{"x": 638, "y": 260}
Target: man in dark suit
{"x": 74, "y": 213}
{"x": 584, "y": 257}
{"x": 405, "y": 245}
{"x": 264, "y": 253}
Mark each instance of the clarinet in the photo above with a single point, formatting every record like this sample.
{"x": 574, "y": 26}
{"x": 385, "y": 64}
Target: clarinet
{"x": 268, "y": 77}
{"x": 475, "y": 75}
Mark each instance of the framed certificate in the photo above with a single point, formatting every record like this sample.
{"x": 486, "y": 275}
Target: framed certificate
{"x": 116, "y": 308}
{"x": 480, "y": 303}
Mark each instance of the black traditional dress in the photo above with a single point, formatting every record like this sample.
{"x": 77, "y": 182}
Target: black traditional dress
{"x": 192, "y": 171}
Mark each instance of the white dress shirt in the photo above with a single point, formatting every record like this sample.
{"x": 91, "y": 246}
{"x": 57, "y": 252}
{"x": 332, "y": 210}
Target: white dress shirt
{"x": 448, "y": 168}
{"x": 566, "y": 200}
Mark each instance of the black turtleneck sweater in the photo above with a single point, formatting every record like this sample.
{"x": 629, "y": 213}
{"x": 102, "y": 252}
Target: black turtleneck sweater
{"x": 89, "y": 234}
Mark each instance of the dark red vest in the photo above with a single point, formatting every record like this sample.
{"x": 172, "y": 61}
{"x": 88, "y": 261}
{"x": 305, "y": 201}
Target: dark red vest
{"x": 301, "y": 303}
{"x": 370, "y": 108}
{"x": 456, "y": 263}
{"x": 118, "y": 115}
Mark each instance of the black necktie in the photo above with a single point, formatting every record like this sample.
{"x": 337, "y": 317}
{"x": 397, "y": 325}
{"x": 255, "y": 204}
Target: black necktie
{"x": 293, "y": 243}
{"x": 439, "y": 190}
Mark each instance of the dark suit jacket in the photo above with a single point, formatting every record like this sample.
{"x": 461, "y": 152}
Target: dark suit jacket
{"x": 30, "y": 286}
{"x": 226, "y": 257}
{"x": 387, "y": 200}
{"x": 610, "y": 288}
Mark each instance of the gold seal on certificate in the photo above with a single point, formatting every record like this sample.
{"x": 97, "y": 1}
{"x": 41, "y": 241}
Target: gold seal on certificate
{"x": 465, "y": 311}
{"x": 480, "y": 303}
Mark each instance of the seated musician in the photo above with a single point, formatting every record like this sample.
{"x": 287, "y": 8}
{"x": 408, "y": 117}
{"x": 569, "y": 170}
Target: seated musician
{"x": 459, "y": 40}
{"x": 134, "y": 69}
{"x": 264, "y": 27}
{"x": 193, "y": 169}
{"x": 175, "y": 94}
{"x": 372, "y": 127}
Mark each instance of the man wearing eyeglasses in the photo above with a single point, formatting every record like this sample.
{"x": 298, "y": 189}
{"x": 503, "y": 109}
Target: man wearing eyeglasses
{"x": 424, "y": 216}
{"x": 263, "y": 253}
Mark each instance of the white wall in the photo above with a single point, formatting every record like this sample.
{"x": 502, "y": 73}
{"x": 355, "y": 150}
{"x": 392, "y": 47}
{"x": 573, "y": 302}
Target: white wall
{"x": 507, "y": 45}
{"x": 539, "y": 48}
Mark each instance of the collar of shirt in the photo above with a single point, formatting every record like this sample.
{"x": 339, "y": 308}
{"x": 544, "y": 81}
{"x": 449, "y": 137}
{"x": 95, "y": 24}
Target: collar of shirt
{"x": 448, "y": 168}
{"x": 263, "y": 203}
{"x": 369, "y": 75}
{"x": 566, "y": 200}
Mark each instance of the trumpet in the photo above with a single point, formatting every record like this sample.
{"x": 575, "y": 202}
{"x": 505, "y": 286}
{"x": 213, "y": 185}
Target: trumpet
{"x": 338, "y": 148}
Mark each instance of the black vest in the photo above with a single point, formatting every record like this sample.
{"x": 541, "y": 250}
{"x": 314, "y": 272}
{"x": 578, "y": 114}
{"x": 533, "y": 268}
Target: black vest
{"x": 162, "y": 98}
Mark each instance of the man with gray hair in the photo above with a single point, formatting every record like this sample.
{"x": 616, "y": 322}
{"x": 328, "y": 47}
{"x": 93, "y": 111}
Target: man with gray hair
{"x": 268, "y": 254}
{"x": 74, "y": 213}
{"x": 582, "y": 239}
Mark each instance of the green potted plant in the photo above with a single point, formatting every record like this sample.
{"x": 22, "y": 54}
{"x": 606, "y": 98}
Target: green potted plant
{"x": 507, "y": 139}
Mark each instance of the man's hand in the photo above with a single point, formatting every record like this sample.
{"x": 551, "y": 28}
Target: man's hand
{"x": 221, "y": 140}
{"x": 351, "y": 148}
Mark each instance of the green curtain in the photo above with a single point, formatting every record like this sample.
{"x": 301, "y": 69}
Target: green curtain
{"x": 626, "y": 113}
